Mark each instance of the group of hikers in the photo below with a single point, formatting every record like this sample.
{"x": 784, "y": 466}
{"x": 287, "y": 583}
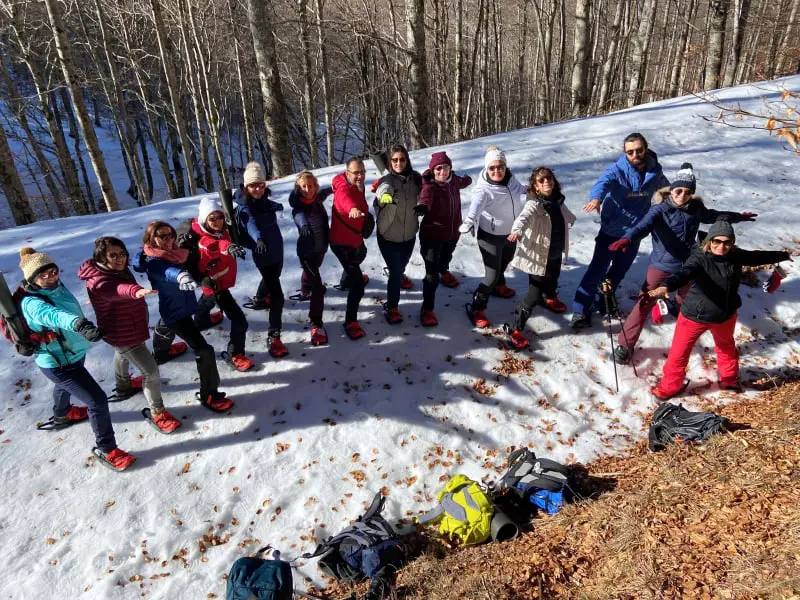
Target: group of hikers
{"x": 525, "y": 225}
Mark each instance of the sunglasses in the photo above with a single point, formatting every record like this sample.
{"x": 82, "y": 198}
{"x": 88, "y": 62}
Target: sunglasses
{"x": 165, "y": 236}
{"x": 117, "y": 255}
{"x": 49, "y": 274}
{"x": 256, "y": 186}
{"x": 357, "y": 173}
{"x": 544, "y": 178}
{"x": 726, "y": 243}
{"x": 441, "y": 168}
{"x": 636, "y": 151}
{"x": 681, "y": 192}
{"x": 215, "y": 218}
{"x": 491, "y": 168}
{"x": 399, "y": 160}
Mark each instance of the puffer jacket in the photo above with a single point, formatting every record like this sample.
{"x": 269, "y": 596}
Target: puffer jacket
{"x": 346, "y": 196}
{"x": 674, "y": 229}
{"x": 535, "y": 229}
{"x": 495, "y": 206}
{"x": 396, "y": 222}
{"x": 174, "y": 304}
{"x": 624, "y": 193}
{"x": 311, "y": 213}
{"x": 443, "y": 200}
{"x": 213, "y": 259}
{"x": 258, "y": 219}
{"x": 121, "y": 316}
{"x": 714, "y": 294}
{"x": 59, "y": 315}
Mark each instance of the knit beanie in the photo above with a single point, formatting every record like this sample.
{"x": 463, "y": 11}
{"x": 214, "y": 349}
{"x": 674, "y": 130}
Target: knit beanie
{"x": 440, "y": 158}
{"x": 208, "y": 205}
{"x": 493, "y": 154}
{"x": 684, "y": 178}
{"x": 254, "y": 173}
{"x": 721, "y": 228}
{"x": 32, "y": 262}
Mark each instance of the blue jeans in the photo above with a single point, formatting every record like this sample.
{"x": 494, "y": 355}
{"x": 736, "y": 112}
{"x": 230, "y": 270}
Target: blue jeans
{"x": 396, "y": 256}
{"x": 605, "y": 264}
{"x": 75, "y": 380}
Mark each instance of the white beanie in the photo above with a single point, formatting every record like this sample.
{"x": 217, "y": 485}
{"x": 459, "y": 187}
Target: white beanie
{"x": 208, "y": 205}
{"x": 493, "y": 154}
{"x": 253, "y": 173}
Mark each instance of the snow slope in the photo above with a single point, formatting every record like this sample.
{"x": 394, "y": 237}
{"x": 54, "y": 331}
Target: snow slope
{"x": 312, "y": 437}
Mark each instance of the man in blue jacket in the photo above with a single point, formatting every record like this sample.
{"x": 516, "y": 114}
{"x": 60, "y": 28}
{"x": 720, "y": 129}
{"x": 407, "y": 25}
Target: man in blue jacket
{"x": 622, "y": 196}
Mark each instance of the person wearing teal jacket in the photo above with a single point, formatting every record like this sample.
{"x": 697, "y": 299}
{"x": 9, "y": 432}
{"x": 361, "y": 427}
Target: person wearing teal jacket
{"x": 50, "y": 310}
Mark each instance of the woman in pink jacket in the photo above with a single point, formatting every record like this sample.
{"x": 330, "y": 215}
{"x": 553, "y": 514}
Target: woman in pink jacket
{"x": 122, "y": 317}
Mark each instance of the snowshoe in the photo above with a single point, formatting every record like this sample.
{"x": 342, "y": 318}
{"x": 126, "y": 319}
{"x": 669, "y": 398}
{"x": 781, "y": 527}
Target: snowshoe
{"x": 319, "y": 337}
{"x": 516, "y": 337}
{"x": 164, "y": 422}
{"x": 449, "y": 280}
{"x": 663, "y": 396}
{"x": 256, "y": 303}
{"x": 116, "y": 460}
{"x": 477, "y": 317}
{"x": 75, "y": 414}
{"x": 503, "y": 291}
{"x": 136, "y": 386}
{"x": 300, "y": 296}
{"x": 240, "y": 362}
{"x": 353, "y": 330}
{"x": 216, "y": 402}
{"x": 175, "y": 350}
{"x": 275, "y": 345}
{"x": 343, "y": 287}
{"x": 428, "y": 318}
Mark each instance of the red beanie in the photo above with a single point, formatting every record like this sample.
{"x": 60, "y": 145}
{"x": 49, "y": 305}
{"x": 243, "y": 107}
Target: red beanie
{"x": 440, "y": 158}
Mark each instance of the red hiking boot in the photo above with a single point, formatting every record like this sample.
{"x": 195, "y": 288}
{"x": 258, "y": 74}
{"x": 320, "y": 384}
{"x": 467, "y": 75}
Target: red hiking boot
{"x": 177, "y": 349}
{"x": 319, "y": 337}
{"x": 275, "y": 345}
{"x": 76, "y": 414}
{"x": 118, "y": 459}
{"x": 449, "y": 280}
{"x": 241, "y": 363}
{"x": 405, "y": 283}
{"x": 393, "y": 316}
{"x": 479, "y": 319}
{"x": 428, "y": 318}
{"x": 555, "y": 305}
{"x": 503, "y": 291}
{"x": 518, "y": 339}
{"x": 165, "y": 421}
{"x": 365, "y": 278}
{"x": 216, "y": 318}
{"x": 353, "y": 330}
{"x": 216, "y": 401}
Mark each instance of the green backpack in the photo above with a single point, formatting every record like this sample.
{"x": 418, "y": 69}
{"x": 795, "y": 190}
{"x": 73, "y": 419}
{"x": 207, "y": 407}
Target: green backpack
{"x": 464, "y": 512}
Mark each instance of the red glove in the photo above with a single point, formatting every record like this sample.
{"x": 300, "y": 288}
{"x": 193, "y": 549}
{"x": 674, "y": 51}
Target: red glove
{"x": 621, "y": 245}
{"x": 748, "y": 216}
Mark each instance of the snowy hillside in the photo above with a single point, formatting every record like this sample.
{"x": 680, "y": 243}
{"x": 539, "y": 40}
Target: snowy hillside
{"x": 313, "y": 436}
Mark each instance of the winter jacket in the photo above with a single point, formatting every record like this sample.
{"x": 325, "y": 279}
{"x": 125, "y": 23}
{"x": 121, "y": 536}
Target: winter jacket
{"x": 497, "y": 205}
{"x": 443, "y": 200}
{"x": 59, "y": 317}
{"x": 624, "y": 193}
{"x": 346, "y": 196}
{"x": 313, "y": 214}
{"x": 258, "y": 219}
{"x": 213, "y": 259}
{"x": 713, "y": 296}
{"x": 674, "y": 229}
{"x": 397, "y": 222}
{"x": 174, "y": 304}
{"x": 535, "y": 228}
{"x": 121, "y": 316}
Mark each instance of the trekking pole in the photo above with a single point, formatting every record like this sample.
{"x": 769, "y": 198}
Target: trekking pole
{"x": 605, "y": 291}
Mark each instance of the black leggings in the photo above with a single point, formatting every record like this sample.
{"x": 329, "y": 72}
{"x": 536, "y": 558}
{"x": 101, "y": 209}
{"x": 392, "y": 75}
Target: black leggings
{"x": 203, "y": 352}
{"x": 538, "y": 286}
{"x": 437, "y": 256}
{"x": 270, "y": 285}
{"x": 311, "y": 281}
{"x": 497, "y": 252}
{"x": 351, "y": 259}
{"x": 202, "y": 318}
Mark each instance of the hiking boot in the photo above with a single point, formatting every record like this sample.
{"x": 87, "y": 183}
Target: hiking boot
{"x": 449, "y": 280}
{"x": 241, "y": 363}
{"x": 479, "y": 319}
{"x": 656, "y": 316}
{"x": 428, "y": 318}
{"x": 165, "y": 421}
{"x": 503, "y": 291}
{"x": 554, "y": 305}
{"x": 393, "y": 316}
{"x": 119, "y": 459}
{"x": 405, "y": 283}
{"x": 580, "y": 321}
{"x": 662, "y": 395}
{"x": 623, "y": 355}
{"x": 75, "y": 414}
{"x": 215, "y": 318}
{"x": 216, "y": 401}
{"x": 353, "y": 330}
{"x": 175, "y": 350}
{"x": 256, "y": 303}
{"x": 275, "y": 345}
{"x": 518, "y": 339}
{"x": 319, "y": 336}
{"x": 731, "y": 385}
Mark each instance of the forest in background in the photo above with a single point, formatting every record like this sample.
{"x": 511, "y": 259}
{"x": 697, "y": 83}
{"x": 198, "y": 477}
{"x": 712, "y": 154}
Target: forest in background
{"x": 194, "y": 89}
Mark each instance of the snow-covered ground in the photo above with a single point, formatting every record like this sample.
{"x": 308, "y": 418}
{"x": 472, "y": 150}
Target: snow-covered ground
{"x": 313, "y": 436}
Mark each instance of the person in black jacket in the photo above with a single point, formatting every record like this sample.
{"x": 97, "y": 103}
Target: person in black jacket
{"x": 714, "y": 270}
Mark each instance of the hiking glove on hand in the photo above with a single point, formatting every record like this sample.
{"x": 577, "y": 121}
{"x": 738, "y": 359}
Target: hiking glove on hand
{"x": 305, "y": 231}
{"x": 88, "y": 330}
{"x": 237, "y": 251}
{"x": 261, "y": 247}
{"x": 185, "y": 281}
{"x": 468, "y": 226}
{"x": 420, "y": 210}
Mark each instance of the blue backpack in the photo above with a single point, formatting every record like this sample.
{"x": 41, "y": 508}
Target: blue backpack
{"x": 537, "y": 482}
{"x": 255, "y": 578}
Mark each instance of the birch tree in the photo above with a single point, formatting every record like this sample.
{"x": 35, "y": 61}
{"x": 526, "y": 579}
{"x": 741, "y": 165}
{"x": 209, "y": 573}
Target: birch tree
{"x": 580, "y": 57}
{"x": 718, "y": 12}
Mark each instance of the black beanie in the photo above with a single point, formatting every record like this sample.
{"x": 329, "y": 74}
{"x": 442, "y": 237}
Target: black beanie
{"x": 721, "y": 228}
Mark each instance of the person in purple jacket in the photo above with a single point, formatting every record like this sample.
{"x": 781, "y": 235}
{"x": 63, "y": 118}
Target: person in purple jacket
{"x": 122, "y": 315}
{"x": 440, "y": 207}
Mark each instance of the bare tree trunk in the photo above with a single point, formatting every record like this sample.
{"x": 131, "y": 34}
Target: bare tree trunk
{"x": 246, "y": 117}
{"x": 308, "y": 86}
{"x": 611, "y": 53}
{"x": 580, "y": 62}
{"x": 788, "y": 38}
{"x": 641, "y": 44}
{"x": 326, "y": 93}
{"x": 174, "y": 94}
{"x": 12, "y": 185}
{"x": 522, "y": 99}
{"x": 88, "y": 202}
{"x": 274, "y": 109}
{"x": 741, "y": 10}
{"x": 418, "y": 97}
{"x": 681, "y": 58}
{"x": 458, "y": 116}
{"x": 716, "y": 41}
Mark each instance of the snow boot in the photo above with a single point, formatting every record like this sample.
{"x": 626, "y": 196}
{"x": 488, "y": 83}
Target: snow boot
{"x": 240, "y": 361}
{"x": 662, "y": 395}
{"x": 74, "y": 415}
{"x": 116, "y": 460}
{"x": 393, "y": 316}
{"x": 623, "y": 355}
{"x": 554, "y": 305}
{"x": 353, "y": 330}
{"x": 516, "y": 337}
{"x": 503, "y": 291}
{"x": 580, "y": 321}
{"x": 406, "y": 283}
{"x": 319, "y": 337}
{"x": 175, "y": 350}
{"x": 449, "y": 280}
{"x": 163, "y": 422}
{"x": 428, "y": 318}
{"x": 216, "y": 401}
{"x": 275, "y": 345}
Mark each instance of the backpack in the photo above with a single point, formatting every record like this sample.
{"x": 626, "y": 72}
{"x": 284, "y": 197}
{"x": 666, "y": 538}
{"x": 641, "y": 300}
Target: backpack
{"x": 12, "y": 321}
{"x": 671, "y": 423}
{"x": 368, "y": 549}
{"x": 255, "y": 578}
{"x": 464, "y": 512}
{"x": 537, "y": 482}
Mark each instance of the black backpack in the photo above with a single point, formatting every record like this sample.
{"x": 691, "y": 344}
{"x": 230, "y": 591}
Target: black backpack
{"x": 536, "y": 483}
{"x": 255, "y": 578}
{"x": 671, "y": 423}
{"x": 12, "y": 321}
{"x": 368, "y": 549}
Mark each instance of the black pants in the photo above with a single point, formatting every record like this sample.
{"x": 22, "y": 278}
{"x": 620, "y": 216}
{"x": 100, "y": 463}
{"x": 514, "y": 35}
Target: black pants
{"x": 497, "y": 252}
{"x": 202, "y": 317}
{"x": 437, "y": 256}
{"x": 203, "y": 352}
{"x": 396, "y": 256}
{"x": 270, "y": 285}
{"x": 311, "y": 281}
{"x": 351, "y": 259}
{"x": 538, "y": 286}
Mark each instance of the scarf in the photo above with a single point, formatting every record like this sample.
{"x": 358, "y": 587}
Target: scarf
{"x": 176, "y": 255}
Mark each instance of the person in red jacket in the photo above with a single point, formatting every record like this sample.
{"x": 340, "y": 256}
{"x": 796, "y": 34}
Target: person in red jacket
{"x": 122, "y": 316}
{"x": 213, "y": 263}
{"x": 440, "y": 207}
{"x": 346, "y": 239}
